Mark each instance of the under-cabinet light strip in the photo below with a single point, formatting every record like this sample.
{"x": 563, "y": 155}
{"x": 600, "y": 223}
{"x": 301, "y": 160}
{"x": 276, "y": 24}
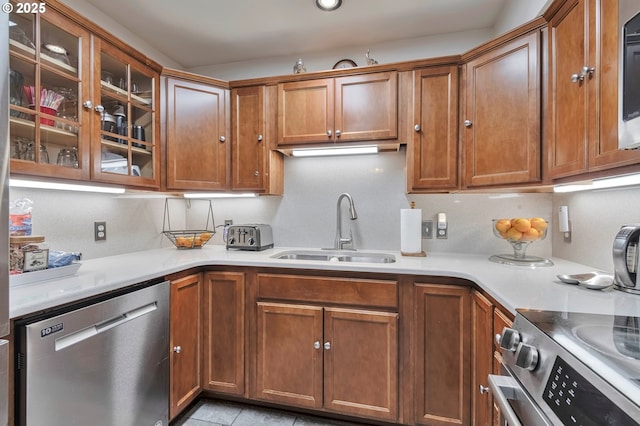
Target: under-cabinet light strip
{"x": 351, "y": 150}
{"x": 38, "y": 184}
{"x": 218, "y": 195}
{"x": 612, "y": 182}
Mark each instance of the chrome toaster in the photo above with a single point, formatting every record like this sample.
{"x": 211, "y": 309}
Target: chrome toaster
{"x": 254, "y": 237}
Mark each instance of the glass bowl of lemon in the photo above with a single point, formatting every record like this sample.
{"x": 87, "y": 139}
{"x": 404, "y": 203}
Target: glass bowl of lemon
{"x": 520, "y": 232}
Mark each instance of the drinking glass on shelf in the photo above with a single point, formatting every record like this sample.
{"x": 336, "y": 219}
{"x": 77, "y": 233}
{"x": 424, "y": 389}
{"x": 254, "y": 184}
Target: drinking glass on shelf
{"x": 44, "y": 154}
{"x": 68, "y": 157}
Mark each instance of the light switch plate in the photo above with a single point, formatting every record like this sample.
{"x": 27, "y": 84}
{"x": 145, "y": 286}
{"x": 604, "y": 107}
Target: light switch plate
{"x": 427, "y": 229}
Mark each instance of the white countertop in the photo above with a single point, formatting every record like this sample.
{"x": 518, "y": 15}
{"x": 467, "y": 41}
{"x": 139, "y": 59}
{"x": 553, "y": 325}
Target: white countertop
{"x": 512, "y": 286}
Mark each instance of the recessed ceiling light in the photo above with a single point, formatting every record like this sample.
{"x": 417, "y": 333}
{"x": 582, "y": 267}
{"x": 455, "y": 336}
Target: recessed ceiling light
{"x": 328, "y": 5}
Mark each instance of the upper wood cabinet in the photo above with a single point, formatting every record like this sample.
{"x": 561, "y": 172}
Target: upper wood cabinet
{"x": 196, "y": 127}
{"x": 582, "y": 93}
{"x": 96, "y": 115}
{"x": 58, "y": 84}
{"x": 255, "y": 166}
{"x": 125, "y": 139}
{"x": 432, "y": 152}
{"x": 341, "y": 109}
{"x": 185, "y": 342}
{"x": 500, "y": 129}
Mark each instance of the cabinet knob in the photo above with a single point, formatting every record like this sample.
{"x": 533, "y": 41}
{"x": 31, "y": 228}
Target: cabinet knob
{"x": 222, "y": 139}
{"x": 467, "y": 123}
{"x": 584, "y": 72}
{"x": 177, "y": 349}
{"x": 338, "y": 133}
{"x": 256, "y": 173}
{"x": 484, "y": 389}
{"x": 588, "y": 71}
{"x": 259, "y": 138}
{"x": 327, "y": 345}
{"x": 316, "y": 344}
{"x": 87, "y": 104}
{"x": 417, "y": 128}
{"x": 99, "y": 108}
{"x": 329, "y": 133}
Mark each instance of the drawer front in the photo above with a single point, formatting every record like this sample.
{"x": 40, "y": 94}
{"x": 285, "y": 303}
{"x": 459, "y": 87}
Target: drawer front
{"x": 330, "y": 290}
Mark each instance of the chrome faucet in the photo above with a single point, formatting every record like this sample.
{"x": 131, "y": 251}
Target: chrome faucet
{"x": 340, "y": 242}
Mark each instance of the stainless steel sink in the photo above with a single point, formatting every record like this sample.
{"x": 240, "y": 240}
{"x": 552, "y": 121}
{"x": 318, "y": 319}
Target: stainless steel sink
{"x": 335, "y": 256}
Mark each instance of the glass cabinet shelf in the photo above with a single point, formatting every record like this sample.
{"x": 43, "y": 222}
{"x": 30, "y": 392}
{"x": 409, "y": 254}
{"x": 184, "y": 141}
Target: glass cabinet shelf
{"x": 44, "y": 58}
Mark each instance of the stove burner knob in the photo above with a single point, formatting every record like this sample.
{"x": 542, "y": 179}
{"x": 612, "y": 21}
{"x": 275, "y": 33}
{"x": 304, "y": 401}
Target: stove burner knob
{"x": 509, "y": 339}
{"x": 527, "y": 357}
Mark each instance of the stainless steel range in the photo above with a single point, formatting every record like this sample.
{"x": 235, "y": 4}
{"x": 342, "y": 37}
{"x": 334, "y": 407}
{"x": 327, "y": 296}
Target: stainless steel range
{"x": 569, "y": 369}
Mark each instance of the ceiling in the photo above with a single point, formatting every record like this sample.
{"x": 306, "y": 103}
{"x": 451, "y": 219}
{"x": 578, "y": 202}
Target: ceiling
{"x": 196, "y": 33}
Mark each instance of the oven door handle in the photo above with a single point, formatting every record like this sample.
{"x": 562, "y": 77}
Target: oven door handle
{"x": 504, "y": 388}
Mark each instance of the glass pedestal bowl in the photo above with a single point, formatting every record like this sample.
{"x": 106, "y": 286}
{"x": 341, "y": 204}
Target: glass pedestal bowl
{"x": 520, "y": 233}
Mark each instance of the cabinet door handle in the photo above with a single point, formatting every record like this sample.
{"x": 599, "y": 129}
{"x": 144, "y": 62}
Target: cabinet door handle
{"x": 327, "y": 345}
{"x": 259, "y": 138}
{"x": 338, "y": 133}
{"x": 329, "y": 133}
{"x": 256, "y": 173}
{"x": 584, "y": 72}
{"x": 87, "y": 104}
{"x": 467, "y": 123}
{"x": 99, "y": 108}
{"x": 484, "y": 389}
{"x": 316, "y": 344}
{"x": 417, "y": 128}
{"x": 222, "y": 139}
{"x": 177, "y": 349}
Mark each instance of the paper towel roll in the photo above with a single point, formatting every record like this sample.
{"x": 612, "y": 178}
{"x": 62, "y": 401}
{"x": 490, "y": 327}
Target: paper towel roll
{"x": 410, "y": 232}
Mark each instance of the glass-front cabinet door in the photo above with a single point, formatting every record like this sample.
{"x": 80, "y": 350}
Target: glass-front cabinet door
{"x": 126, "y": 148}
{"x": 49, "y": 72}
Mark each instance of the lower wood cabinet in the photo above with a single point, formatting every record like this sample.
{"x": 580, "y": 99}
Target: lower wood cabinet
{"x": 481, "y": 359}
{"x": 343, "y": 360}
{"x": 442, "y": 361}
{"x": 185, "y": 356}
{"x": 224, "y": 332}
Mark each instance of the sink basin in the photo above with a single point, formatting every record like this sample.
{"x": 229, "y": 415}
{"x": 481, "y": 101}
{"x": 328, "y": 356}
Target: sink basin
{"x": 336, "y": 256}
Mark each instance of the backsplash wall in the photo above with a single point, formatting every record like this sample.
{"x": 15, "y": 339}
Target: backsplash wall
{"x": 304, "y": 217}
{"x": 595, "y": 218}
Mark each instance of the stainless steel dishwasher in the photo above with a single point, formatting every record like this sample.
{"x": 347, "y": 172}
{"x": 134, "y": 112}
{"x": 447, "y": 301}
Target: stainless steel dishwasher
{"x": 105, "y": 363}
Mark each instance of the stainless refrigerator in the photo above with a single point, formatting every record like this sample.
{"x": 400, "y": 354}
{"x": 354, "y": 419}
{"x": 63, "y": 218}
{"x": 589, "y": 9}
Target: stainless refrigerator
{"x": 4, "y": 216}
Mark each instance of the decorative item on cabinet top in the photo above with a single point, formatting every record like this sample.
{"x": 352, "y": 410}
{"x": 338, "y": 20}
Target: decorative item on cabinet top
{"x": 370, "y": 60}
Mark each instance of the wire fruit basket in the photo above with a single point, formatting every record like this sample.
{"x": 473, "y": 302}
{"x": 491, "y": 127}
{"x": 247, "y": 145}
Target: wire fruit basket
{"x": 188, "y": 238}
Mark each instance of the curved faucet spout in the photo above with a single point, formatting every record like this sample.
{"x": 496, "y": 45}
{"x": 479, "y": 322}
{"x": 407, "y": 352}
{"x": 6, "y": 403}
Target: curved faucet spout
{"x": 340, "y": 242}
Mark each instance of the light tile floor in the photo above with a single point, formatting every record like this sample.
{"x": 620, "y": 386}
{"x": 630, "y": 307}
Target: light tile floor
{"x": 209, "y": 412}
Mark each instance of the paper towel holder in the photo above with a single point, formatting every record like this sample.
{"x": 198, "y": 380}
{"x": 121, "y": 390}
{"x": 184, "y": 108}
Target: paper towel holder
{"x": 421, "y": 253}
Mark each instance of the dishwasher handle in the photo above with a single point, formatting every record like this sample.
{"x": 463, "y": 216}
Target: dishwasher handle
{"x": 101, "y": 327}
{"x": 503, "y": 389}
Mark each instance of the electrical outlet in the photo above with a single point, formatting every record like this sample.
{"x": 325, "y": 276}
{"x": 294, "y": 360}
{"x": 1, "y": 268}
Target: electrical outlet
{"x": 427, "y": 229}
{"x": 100, "y": 231}
{"x": 228, "y": 222}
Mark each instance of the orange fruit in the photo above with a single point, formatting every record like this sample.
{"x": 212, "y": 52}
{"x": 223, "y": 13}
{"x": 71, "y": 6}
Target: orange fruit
{"x": 522, "y": 224}
{"x": 513, "y": 234}
{"x": 539, "y": 224}
{"x": 503, "y": 225}
{"x": 530, "y": 235}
